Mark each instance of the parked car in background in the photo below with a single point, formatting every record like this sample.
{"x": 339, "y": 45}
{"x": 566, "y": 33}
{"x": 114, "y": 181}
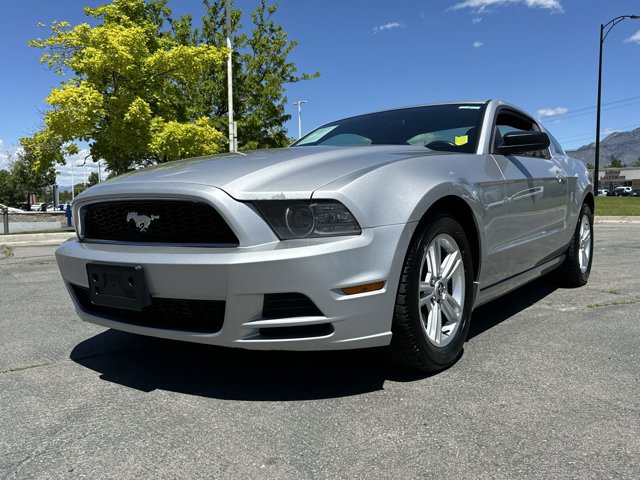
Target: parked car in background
{"x": 603, "y": 192}
{"x": 635, "y": 192}
{"x": 382, "y": 229}
{"x": 622, "y": 191}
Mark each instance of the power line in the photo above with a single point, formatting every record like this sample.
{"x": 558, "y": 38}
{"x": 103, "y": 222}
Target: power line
{"x": 591, "y": 110}
{"x": 580, "y": 136}
{"x": 605, "y": 104}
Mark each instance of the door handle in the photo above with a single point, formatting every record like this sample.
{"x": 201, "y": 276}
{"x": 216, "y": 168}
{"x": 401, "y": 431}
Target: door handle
{"x": 561, "y": 178}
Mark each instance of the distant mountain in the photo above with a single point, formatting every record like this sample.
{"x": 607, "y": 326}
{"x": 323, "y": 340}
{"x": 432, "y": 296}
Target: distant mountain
{"x": 625, "y": 146}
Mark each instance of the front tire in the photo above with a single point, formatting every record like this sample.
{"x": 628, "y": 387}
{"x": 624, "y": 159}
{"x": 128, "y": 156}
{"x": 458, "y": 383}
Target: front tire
{"x": 435, "y": 297}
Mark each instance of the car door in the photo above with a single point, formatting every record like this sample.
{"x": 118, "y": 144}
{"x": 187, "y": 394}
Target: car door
{"x": 536, "y": 197}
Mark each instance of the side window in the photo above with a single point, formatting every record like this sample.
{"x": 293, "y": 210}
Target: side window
{"x": 510, "y": 121}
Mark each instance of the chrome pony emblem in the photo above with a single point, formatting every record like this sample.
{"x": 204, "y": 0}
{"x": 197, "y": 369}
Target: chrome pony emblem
{"x": 142, "y": 222}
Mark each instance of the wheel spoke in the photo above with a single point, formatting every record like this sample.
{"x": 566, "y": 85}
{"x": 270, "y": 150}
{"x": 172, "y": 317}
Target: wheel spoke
{"x": 425, "y": 301}
{"x": 585, "y": 234}
{"x": 451, "y": 263}
{"x": 434, "y": 323}
{"x": 426, "y": 294}
{"x": 433, "y": 258}
{"x": 426, "y": 288}
{"x": 584, "y": 259}
{"x": 451, "y": 309}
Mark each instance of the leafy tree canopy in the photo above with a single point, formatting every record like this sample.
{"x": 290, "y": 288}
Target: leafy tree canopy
{"x": 615, "y": 162}
{"x": 22, "y": 177}
{"x": 93, "y": 179}
{"x": 143, "y": 88}
{"x": 261, "y": 70}
{"x": 10, "y": 192}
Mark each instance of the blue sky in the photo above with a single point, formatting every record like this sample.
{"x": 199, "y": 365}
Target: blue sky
{"x": 541, "y": 55}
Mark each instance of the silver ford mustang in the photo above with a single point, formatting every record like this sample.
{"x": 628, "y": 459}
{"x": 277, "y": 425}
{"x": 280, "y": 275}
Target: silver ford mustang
{"x": 381, "y": 229}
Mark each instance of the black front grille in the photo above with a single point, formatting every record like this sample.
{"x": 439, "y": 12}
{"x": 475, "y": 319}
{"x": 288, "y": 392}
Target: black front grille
{"x": 156, "y": 221}
{"x": 199, "y": 316}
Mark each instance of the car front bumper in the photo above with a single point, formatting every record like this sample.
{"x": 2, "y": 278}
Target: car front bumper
{"x": 240, "y": 277}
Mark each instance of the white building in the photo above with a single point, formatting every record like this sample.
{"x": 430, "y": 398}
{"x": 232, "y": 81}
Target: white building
{"x": 611, "y": 178}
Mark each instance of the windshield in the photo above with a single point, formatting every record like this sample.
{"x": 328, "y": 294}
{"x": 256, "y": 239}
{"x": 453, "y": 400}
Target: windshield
{"x": 451, "y": 127}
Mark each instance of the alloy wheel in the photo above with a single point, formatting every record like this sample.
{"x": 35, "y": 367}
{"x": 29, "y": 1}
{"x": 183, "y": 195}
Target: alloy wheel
{"x": 441, "y": 290}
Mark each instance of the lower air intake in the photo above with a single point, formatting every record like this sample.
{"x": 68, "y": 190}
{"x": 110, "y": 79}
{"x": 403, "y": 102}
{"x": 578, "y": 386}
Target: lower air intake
{"x": 286, "y": 305}
{"x": 198, "y": 316}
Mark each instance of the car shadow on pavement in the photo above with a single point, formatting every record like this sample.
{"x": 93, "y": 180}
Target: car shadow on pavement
{"x": 147, "y": 363}
{"x": 494, "y": 313}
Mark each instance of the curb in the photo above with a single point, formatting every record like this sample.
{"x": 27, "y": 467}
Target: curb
{"x": 616, "y": 219}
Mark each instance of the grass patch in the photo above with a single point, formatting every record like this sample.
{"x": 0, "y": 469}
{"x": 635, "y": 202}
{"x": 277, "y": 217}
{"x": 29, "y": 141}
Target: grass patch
{"x": 7, "y": 251}
{"x": 613, "y": 304}
{"x": 618, "y": 206}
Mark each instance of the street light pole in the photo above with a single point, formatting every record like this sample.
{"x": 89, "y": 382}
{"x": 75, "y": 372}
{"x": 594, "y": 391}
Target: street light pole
{"x": 299, "y": 104}
{"x": 603, "y": 35}
{"x": 232, "y": 130}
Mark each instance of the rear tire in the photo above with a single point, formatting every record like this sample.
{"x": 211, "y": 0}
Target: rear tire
{"x": 575, "y": 270}
{"x": 435, "y": 297}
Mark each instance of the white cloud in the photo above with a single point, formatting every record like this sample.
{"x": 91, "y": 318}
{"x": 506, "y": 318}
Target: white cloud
{"x": 480, "y": 6}
{"x": 63, "y": 172}
{"x": 477, "y": 44}
{"x": 386, "y": 26}
{"x": 475, "y": 20}
{"x": 5, "y": 154}
{"x": 634, "y": 38}
{"x": 552, "y": 112}
{"x": 73, "y": 169}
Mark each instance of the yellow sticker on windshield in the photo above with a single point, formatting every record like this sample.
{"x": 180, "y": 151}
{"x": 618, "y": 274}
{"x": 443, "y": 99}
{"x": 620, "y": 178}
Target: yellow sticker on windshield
{"x": 462, "y": 140}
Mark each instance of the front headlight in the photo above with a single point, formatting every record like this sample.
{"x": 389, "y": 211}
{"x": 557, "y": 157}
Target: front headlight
{"x": 308, "y": 219}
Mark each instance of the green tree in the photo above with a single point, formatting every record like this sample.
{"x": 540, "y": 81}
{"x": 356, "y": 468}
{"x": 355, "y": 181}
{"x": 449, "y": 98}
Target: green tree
{"x": 93, "y": 179}
{"x": 637, "y": 163}
{"x": 143, "y": 88}
{"x": 261, "y": 70}
{"x": 25, "y": 173}
{"x": 65, "y": 196}
{"x": 10, "y": 192}
{"x": 615, "y": 162}
{"x": 122, "y": 90}
{"x": 590, "y": 166}
{"x": 80, "y": 187}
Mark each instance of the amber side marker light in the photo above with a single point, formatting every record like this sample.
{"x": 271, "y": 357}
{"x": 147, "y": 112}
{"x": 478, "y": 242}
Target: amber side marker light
{"x": 368, "y": 287}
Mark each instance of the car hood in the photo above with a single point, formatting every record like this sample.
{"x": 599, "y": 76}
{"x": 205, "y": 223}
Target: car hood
{"x": 287, "y": 173}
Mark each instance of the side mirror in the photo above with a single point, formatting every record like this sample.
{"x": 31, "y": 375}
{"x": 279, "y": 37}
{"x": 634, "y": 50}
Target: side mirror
{"x": 521, "y": 141}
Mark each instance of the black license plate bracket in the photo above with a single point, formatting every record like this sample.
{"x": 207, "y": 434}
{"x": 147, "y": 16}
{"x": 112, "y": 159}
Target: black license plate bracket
{"x": 118, "y": 286}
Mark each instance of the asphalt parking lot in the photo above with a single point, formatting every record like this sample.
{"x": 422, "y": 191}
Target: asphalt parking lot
{"x": 548, "y": 387}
